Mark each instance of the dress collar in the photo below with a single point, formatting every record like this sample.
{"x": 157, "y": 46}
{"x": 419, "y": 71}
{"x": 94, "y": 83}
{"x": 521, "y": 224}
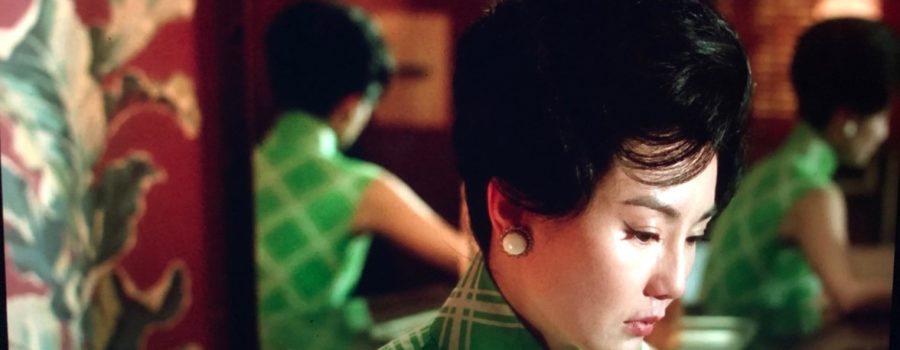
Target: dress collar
{"x": 477, "y": 316}
{"x": 817, "y": 157}
{"x": 302, "y": 130}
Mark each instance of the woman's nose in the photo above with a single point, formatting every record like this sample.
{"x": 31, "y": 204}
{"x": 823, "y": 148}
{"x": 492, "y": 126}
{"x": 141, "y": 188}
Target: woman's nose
{"x": 669, "y": 276}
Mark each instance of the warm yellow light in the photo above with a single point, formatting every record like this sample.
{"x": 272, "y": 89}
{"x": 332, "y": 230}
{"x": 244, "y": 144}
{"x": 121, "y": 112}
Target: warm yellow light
{"x": 825, "y": 9}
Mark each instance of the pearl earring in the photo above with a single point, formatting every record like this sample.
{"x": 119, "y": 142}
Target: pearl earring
{"x": 516, "y": 241}
{"x": 850, "y": 129}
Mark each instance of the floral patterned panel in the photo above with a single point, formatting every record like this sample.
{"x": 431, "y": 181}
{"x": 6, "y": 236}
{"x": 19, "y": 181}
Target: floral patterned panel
{"x": 70, "y": 212}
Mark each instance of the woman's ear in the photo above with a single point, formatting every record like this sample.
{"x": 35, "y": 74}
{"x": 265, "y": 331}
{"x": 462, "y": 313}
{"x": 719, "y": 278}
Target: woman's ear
{"x": 343, "y": 112}
{"x": 841, "y": 128}
{"x": 503, "y": 213}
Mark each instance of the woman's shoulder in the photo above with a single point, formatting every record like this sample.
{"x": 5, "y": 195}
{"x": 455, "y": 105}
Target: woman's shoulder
{"x": 783, "y": 176}
{"x": 360, "y": 168}
{"x": 340, "y": 171}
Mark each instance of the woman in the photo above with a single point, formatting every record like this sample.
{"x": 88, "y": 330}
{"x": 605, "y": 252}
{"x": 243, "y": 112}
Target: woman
{"x": 596, "y": 139}
{"x": 781, "y": 254}
{"x": 315, "y": 206}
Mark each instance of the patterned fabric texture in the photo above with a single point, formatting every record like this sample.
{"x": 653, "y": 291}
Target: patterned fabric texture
{"x": 475, "y": 316}
{"x": 752, "y": 273}
{"x": 307, "y": 259}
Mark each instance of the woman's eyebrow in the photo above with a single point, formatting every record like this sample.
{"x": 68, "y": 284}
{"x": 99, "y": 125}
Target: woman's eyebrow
{"x": 667, "y": 210}
{"x": 654, "y": 204}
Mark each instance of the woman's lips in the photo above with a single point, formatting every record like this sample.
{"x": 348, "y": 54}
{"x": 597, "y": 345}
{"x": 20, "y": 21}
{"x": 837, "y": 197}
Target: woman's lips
{"x": 641, "y": 327}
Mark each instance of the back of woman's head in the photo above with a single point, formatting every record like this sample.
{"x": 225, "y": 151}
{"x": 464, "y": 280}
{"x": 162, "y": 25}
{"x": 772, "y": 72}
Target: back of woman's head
{"x": 844, "y": 63}
{"x": 549, "y": 94}
{"x": 318, "y": 53}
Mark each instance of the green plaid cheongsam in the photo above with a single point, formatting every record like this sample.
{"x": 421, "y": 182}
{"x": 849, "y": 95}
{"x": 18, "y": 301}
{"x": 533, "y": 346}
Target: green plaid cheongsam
{"x": 307, "y": 260}
{"x": 475, "y": 317}
{"x": 751, "y": 272}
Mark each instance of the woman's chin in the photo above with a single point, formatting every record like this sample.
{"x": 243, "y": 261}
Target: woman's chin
{"x": 633, "y": 343}
{"x": 624, "y": 343}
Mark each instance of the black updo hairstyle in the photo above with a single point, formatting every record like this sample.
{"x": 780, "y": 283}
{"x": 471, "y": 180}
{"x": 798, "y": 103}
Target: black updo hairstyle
{"x": 549, "y": 94}
{"x": 844, "y": 62}
{"x": 319, "y": 52}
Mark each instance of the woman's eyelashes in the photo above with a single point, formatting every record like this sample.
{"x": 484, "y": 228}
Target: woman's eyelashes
{"x": 642, "y": 236}
{"x": 701, "y": 237}
{"x": 647, "y": 235}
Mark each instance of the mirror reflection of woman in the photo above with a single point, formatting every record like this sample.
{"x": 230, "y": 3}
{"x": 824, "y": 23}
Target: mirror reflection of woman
{"x": 781, "y": 254}
{"x": 315, "y": 207}
{"x": 596, "y": 140}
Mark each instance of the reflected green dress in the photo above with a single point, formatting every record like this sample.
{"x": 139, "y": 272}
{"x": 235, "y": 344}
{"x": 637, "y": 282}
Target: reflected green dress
{"x": 751, "y": 272}
{"x": 307, "y": 260}
{"x": 475, "y": 317}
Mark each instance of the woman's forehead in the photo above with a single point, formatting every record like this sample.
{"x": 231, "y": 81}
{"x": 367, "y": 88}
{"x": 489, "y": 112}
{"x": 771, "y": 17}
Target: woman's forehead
{"x": 621, "y": 185}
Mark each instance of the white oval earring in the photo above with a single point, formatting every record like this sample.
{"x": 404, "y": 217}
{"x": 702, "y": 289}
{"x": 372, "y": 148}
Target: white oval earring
{"x": 516, "y": 241}
{"x": 850, "y": 129}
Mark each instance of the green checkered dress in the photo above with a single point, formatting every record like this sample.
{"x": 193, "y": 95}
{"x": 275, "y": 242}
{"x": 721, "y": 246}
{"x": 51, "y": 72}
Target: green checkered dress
{"x": 307, "y": 259}
{"x": 751, "y": 272}
{"x": 475, "y": 316}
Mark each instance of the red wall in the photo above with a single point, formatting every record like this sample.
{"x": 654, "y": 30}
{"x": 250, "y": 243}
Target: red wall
{"x": 191, "y": 217}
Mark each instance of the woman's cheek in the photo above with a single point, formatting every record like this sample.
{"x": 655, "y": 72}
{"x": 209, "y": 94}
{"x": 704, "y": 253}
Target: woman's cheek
{"x": 635, "y": 257}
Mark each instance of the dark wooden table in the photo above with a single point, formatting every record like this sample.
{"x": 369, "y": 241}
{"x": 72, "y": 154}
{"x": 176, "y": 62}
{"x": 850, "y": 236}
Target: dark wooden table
{"x": 861, "y": 332}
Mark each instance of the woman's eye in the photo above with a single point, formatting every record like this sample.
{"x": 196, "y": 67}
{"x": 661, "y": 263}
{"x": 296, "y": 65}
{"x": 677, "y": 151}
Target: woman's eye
{"x": 703, "y": 237}
{"x": 643, "y": 236}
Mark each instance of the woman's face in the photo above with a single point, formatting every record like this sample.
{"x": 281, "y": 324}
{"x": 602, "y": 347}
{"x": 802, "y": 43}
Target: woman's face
{"x": 862, "y": 145}
{"x": 600, "y": 280}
